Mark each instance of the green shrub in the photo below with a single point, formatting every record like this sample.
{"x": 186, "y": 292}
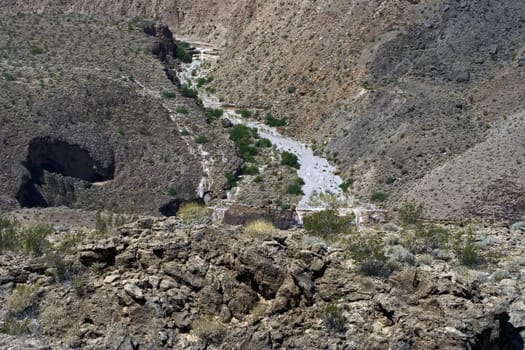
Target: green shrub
{"x": 379, "y": 196}
{"x": 61, "y": 270}
{"x": 263, "y": 143}
{"x": 8, "y": 77}
{"x": 292, "y": 89}
{"x": 466, "y": 250}
{"x": 296, "y": 187}
{"x": 33, "y": 239}
{"x": 274, "y": 122}
{"x": 410, "y": 213}
{"x": 185, "y": 132}
{"x": 213, "y": 114}
{"x": 22, "y": 300}
{"x": 201, "y": 139}
{"x": 194, "y": 213}
{"x": 172, "y": 191}
{"x": 244, "y": 113}
{"x": 334, "y": 320}
{"x": 232, "y": 180}
{"x": 258, "y": 179}
{"x": 243, "y": 138}
{"x": 15, "y": 327}
{"x": 79, "y": 285}
{"x": 250, "y": 170}
{"x": 290, "y": 159}
{"x": 36, "y": 50}
{"x": 346, "y": 185}
{"x": 182, "y": 54}
{"x": 168, "y": 94}
{"x": 390, "y": 180}
{"x": 182, "y": 110}
{"x": 328, "y": 223}
{"x": 187, "y": 91}
{"x": 203, "y": 81}
{"x": 8, "y": 236}
{"x": 426, "y": 238}
{"x": 370, "y": 256}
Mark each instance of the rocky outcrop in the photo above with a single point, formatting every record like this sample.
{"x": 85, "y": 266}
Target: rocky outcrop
{"x": 242, "y": 215}
{"x": 165, "y": 284}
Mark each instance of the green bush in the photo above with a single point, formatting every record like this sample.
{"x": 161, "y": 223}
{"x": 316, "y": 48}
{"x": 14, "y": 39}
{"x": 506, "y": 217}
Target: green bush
{"x": 467, "y": 252}
{"x": 346, "y": 185}
{"x": 292, "y": 89}
{"x": 250, "y": 170}
{"x": 187, "y": 91}
{"x": 22, "y": 300}
{"x": 233, "y": 180}
{"x": 201, "y": 139}
{"x": 328, "y": 223}
{"x": 426, "y": 238}
{"x": 213, "y": 114}
{"x": 168, "y": 94}
{"x": 410, "y": 213}
{"x": 172, "y": 191}
{"x": 263, "y": 143}
{"x": 379, "y": 196}
{"x": 290, "y": 159}
{"x": 8, "y": 236}
{"x": 274, "y": 122}
{"x": 182, "y": 54}
{"x": 370, "y": 256}
{"x": 244, "y": 113}
{"x": 15, "y": 327}
{"x": 243, "y": 138}
{"x": 33, "y": 239}
{"x": 79, "y": 285}
{"x": 36, "y": 50}
{"x": 182, "y": 110}
{"x": 296, "y": 187}
{"x": 203, "y": 81}
{"x": 8, "y": 77}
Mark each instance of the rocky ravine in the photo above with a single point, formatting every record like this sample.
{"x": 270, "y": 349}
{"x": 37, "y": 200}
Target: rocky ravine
{"x": 390, "y": 90}
{"x": 160, "y": 283}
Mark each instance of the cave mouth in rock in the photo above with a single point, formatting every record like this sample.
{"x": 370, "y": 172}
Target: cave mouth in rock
{"x": 60, "y": 157}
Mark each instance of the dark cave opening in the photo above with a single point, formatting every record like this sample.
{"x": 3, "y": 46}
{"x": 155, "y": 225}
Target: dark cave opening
{"x": 54, "y": 156}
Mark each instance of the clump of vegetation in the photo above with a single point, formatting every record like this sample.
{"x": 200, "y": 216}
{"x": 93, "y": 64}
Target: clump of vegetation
{"x": 328, "y": 224}
{"x": 292, "y": 89}
{"x": 426, "y": 238}
{"x": 15, "y": 327}
{"x": 213, "y": 114}
{"x": 250, "y": 170}
{"x": 260, "y": 229}
{"x": 201, "y": 139}
{"x": 22, "y": 300}
{"x": 203, "y": 81}
{"x": 187, "y": 91}
{"x": 296, "y": 187}
{"x": 8, "y": 76}
{"x": 182, "y": 110}
{"x": 209, "y": 329}
{"x": 181, "y": 53}
{"x": 334, "y": 320}
{"x": 346, "y": 185}
{"x": 263, "y": 143}
{"x": 243, "y": 137}
{"x": 466, "y": 250}
{"x": 54, "y": 320}
{"x": 106, "y": 222}
{"x": 194, "y": 213}
{"x": 8, "y": 237}
{"x": 379, "y": 196}
{"x": 36, "y": 50}
{"x": 290, "y": 159}
{"x": 233, "y": 180}
{"x": 274, "y": 122}
{"x": 410, "y": 213}
{"x": 369, "y": 253}
{"x": 33, "y": 239}
{"x": 244, "y": 113}
{"x": 168, "y": 94}
{"x": 79, "y": 284}
{"x": 172, "y": 191}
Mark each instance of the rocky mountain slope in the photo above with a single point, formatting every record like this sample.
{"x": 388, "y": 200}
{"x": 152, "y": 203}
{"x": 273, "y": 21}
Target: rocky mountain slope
{"x": 390, "y": 90}
{"x": 172, "y": 283}
{"x": 88, "y": 116}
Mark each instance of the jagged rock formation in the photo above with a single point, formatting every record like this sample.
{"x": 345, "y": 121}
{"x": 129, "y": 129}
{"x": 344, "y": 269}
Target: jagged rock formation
{"x": 161, "y": 282}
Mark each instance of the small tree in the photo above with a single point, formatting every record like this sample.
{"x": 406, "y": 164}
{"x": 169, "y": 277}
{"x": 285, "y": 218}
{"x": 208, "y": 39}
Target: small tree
{"x": 410, "y": 213}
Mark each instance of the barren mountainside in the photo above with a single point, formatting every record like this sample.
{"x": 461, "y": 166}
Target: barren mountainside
{"x": 390, "y": 90}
